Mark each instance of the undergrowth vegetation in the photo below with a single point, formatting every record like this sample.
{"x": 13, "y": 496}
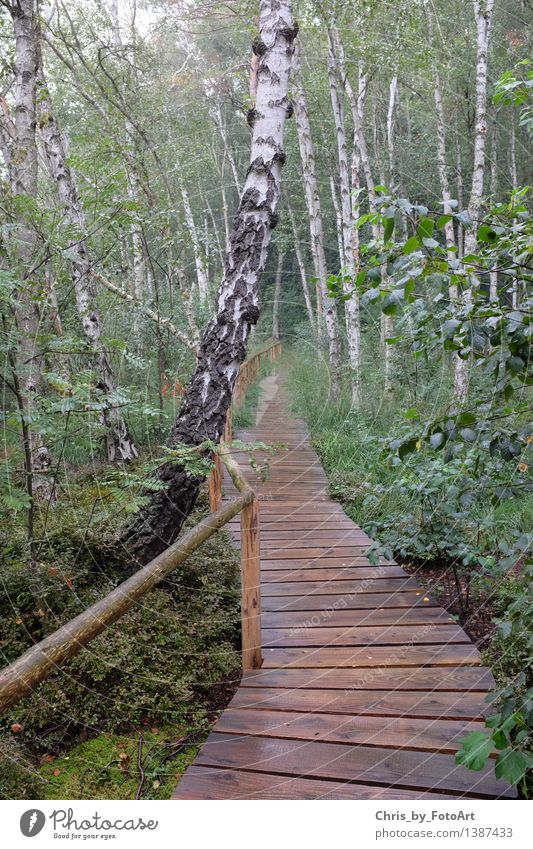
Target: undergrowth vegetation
{"x": 167, "y": 665}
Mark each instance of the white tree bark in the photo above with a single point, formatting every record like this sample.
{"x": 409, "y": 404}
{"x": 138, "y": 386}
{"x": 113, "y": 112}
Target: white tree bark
{"x": 301, "y": 264}
{"x": 442, "y": 165}
{"x": 199, "y": 256}
{"x": 119, "y": 444}
{"x": 493, "y": 274}
{"x": 483, "y": 14}
{"x": 24, "y": 173}
{"x": 338, "y": 220}
{"x": 351, "y": 306}
{"x": 483, "y": 10}
{"x": 312, "y": 198}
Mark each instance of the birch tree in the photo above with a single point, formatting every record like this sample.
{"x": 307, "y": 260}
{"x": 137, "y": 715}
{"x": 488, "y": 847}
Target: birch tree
{"x": 202, "y": 416}
{"x": 119, "y": 443}
{"x": 483, "y": 10}
{"x": 22, "y": 166}
{"x": 351, "y": 307}
{"x": 312, "y": 198}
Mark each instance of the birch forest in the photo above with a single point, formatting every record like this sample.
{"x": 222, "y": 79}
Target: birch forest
{"x": 182, "y": 181}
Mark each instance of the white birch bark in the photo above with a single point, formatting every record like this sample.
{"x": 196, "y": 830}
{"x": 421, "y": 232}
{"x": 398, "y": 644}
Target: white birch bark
{"x": 24, "y": 173}
{"x": 119, "y": 444}
{"x": 338, "y": 221}
{"x": 483, "y": 10}
{"x": 199, "y": 256}
{"x": 493, "y": 274}
{"x": 483, "y": 15}
{"x": 301, "y": 264}
{"x": 459, "y": 182}
{"x": 312, "y": 197}
{"x": 351, "y": 306}
{"x": 442, "y": 165}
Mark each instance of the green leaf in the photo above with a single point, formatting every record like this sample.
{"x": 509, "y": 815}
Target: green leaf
{"x": 425, "y": 228}
{"x": 443, "y": 220}
{"x": 475, "y": 750}
{"x": 511, "y": 765}
{"x": 389, "y": 229}
{"x": 411, "y": 245}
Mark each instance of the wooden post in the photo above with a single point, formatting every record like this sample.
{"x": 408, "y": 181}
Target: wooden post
{"x": 228, "y": 430}
{"x": 250, "y": 587}
{"x": 215, "y": 485}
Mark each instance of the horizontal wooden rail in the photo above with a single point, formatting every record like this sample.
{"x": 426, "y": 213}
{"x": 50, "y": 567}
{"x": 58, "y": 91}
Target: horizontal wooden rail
{"x": 40, "y": 661}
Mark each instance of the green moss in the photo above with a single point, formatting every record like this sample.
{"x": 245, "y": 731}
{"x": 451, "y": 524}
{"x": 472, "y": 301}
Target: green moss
{"x": 107, "y": 767}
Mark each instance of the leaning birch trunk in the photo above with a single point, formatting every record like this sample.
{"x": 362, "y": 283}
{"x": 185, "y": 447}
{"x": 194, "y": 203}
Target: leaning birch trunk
{"x": 301, "y": 264}
{"x": 224, "y": 343}
{"x": 119, "y": 444}
{"x": 483, "y": 13}
{"x": 25, "y": 17}
{"x": 351, "y": 306}
{"x": 312, "y": 197}
{"x": 277, "y": 292}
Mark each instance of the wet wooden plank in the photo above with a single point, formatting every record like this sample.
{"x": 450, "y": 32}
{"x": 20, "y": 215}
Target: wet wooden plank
{"x": 451, "y": 679}
{"x": 380, "y": 635}
{"x": 439, "y": 735}
{"x": 452, "y": 655}
{"x": 423, "y": 704}
{"x": 388, "y": 767}
{"x": 201, "y": 782}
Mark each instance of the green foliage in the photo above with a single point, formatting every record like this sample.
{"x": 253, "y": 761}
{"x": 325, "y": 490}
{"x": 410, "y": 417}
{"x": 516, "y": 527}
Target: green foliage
{"x": 516, "y": 88}
{"x": 160, "y": 665}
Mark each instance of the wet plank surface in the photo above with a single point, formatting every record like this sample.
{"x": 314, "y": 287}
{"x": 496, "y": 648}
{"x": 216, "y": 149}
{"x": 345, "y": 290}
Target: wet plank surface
{"x": 367, "y": 684}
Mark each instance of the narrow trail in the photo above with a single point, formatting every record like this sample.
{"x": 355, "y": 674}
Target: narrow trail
{"x": 367, "y": 684}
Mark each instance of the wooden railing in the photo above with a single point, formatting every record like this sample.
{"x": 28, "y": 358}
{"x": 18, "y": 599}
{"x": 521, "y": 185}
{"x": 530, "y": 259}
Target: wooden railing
{"x": 41, "y": 660}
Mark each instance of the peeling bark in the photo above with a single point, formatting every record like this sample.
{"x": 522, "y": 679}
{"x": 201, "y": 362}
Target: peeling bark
{"x": 224, "y": 342}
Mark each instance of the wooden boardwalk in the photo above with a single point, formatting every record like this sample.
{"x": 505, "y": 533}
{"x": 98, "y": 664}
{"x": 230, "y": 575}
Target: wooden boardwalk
{"x": 367, "y": 684}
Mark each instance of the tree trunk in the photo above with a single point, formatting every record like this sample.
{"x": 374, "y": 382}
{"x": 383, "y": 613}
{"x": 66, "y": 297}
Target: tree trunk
{"x": 493, "y": 274}
{"x": 483, "y": 12}
{"x": 25, "y": 17}
{"x": 460, "y": 195}
{"x": 312, "y": 197}
{"x": 351, "y": 306}
{"x": 119, "y": 444}
{"x": 277, "y": 291}
{"x": 301, "y": 265}
{"x": 199, "y": 256}
{"x": 223, "y": 347}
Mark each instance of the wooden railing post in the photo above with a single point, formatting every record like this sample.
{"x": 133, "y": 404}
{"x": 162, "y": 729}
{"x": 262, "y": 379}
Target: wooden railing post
{"x": 215, "y": 484}
{"x": 251, "y": 587}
